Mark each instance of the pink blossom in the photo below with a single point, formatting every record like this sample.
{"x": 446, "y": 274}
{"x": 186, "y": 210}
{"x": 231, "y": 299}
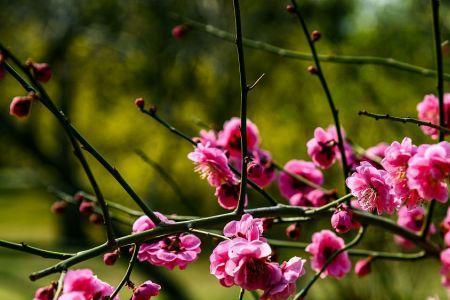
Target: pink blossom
{"x": 83, "y": 283}
{"x": 210, "y": 137}
{"x": 324, "y": 244}
{"x": 293, "y": 231}
{"x": 369, "y": 186}
{"x": 445, "y": 224}
{"x": 177, "y": 250}
{"x": 212, "y": 164}
{"x": 396, "y": 164}
{"x": 428, "y": 171}
{"x": 219, "y": 259}
{"x": 428, "y": 111}
{"x": 248, "y": 227}
{"x": 45, "y": 293}
{"x": 348, "y": 150}
{"x": 228, "y": 195}
{"x": 260, "y": 168}
{"x": 290, "y": 186}
{"x": 230, "y": 137}
{"x": 285, "y": 286}
{"x": 314, "y": 198}
{"x": 377, "y": 151}
{"x": 411, "y": 219}
{"x": 445, "y": 267}
{"x": 146, "y": 291}
{"x": 322, "y": 148}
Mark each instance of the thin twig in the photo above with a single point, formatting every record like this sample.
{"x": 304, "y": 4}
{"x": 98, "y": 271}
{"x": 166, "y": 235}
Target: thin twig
{"x": 251, "y": 87}
{"x": 59, "y": 289}
{"x": 241, "y": 294}
{"x": 403, "y": 120}
{"x": 326, "y": 89}
{"x": 22, "y": 247}
{"x": 292, "y": 54}
{"x": 126, "y": 277}
{"x": 244, "y": 93}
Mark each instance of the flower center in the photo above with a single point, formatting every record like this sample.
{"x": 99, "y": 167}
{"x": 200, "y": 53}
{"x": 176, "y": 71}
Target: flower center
{"x": 367, "y": 200}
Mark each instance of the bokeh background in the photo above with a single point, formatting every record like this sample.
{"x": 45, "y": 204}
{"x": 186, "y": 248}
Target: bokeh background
{"x": 105, "y": 53}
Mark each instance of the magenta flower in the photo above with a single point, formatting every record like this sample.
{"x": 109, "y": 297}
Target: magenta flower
{"x": 428, "y": 111}
{"x": 290, "y": 186}
{"x": 369, "y": 186}
{"x": 260, "y": 168}
{"x": 230, "y": 137}
{"x": 82, "y": 284}
{"x": 445, "y": 267}
{"x": 228, "y": 195}
{"x": 210, "y": 137}
{"x": 396, "y": 164}
{"x": 411, "y": 219}
{"x": 322, "y": 148}
{"x": 212, "y": 164}
{"x": 170, "y": 252}
{"x": 348, "y": 150}
{"x": 248, "y": 227}
{"x": 428, "y": 171}
{"x": 45, "y": 293}
{"x": 377, "y": 151}
{"x": 146, "y": 291}
{"x": 282, "y": 287}
{"x": 342, "y": 219}
{"x": 218, "y": 259}
{"x": 324, "y": 244}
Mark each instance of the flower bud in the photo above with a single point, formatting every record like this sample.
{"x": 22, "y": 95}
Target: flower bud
{"x": 153, "y": 109}
{"x": 363, "y": 266}
{"x": 180, "y": 31}
{"x": 58, "y": 207}
{"x": 78, "y": 196}
{"x": 341, "y": 220}
{"x": 110, "y": 258}
{"x": 146, "y": 290}
{"x": 315, "y": 35}
{"x": 254, "y": 169}
{"x": 293, "y": 231}
{"x": 41, "y": 71}
{"x": 139, "y": 102}
{"x": 267, "y": 223}
{"x": 313, "y": 70}
{"x": 21, "y": 106}
{"x": 96, "y": 218}
{"x": 45, "y": 293}
{"x": 290, "y": 8}
{"x": 87, "y": 207}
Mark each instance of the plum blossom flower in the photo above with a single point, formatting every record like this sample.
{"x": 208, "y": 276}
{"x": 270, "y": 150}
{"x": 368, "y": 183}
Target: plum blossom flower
{"x": 324, "y": 244}
{"x": 348, "y": 150}
{"x": 428, "y": 171}
{"x": 219, "y": 258}
{"x": 260, "y": 169}
{"x": 170, "y": 252}
{"x": 228, "y": 195}
{"x": 369, "y": 186}
{"x": 411, "y": 219}
{"x": 395, "y": 163}
{"x": 146, "y": 291}
{"x": 374, "y": 154}
{"x": 322, "y": 148}
{"x": 285, "y": 286}
{"x": 83, "y": 284}
{"x": 212, "y": 164}
{"x": 247, "y": 227}
{"x": 209, "y": 136}
{"x": 314, "y": 198}
{"x": 45, "y": 293}
{"x": 230, "y": 137}
{"x": 290, "y": 186}
{"x": 428, "y": 111}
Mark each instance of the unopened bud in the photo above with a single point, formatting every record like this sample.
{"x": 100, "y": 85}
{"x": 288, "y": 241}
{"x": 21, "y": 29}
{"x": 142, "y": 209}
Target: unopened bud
{"x": 41, "y": 71}
{"x": 139, "y": 102}
{"x": 315, "y": 35}
{"x": 363, "y": 266}
{"x": 96, "y": 218}
{"x": 267, "y": 223}
{"x": 153, "y": 109}
{"x": 293, "y": 231}
{"x": 290, "y": 8}
{"x": 78, "y": 196}
{"x": 313, "y": 70}
{"x": 58, "y": 207}
{"x": 341, "y": 220}
{"x": 21, "y": 106}
{"x": 445, "y": 46}
{"x": 110, "y": 258}
{"x": 45, "y": 293}
{"x": 180, "y": 31}
{"x": 87, "y": 207}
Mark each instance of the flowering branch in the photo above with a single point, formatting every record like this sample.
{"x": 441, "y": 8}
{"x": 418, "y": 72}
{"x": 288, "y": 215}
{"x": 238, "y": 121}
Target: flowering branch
{"x": 324, "y": 84}
{"x": 339, "y": 59}
{"x": 244, "y": 92}
{"x": 403, "y": 120}
{"x": 354, "y": 242}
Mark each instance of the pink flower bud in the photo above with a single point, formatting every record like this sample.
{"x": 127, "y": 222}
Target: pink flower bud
{"x": 179, "y": 31}
{"x": 87, "y": 207}
{"x": 254, "y": 169}
{"x": 58, "y": 207}
{"x": 21, "y": 106}
{"x": 315, "y": 36}
{"x": 290, "y": 8}
{"x": 139, "y": 102}
{"x": 267, "y": 223}
{"x": 293, "y": 231}
{"x": 96, "y": 219}
{"x": 45, "y": 293}
{"x": 41, "y": 71}
{"x": 341, "y": 220}
{"x": 146, "y": 290}
{"x": 78, "y": 196}
{"x": 363, "y": 266}
{"x": 110, "y": 258}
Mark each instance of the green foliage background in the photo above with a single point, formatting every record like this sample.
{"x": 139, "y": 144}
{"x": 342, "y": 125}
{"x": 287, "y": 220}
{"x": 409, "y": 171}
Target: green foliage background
{"x": 105, "y": 53}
